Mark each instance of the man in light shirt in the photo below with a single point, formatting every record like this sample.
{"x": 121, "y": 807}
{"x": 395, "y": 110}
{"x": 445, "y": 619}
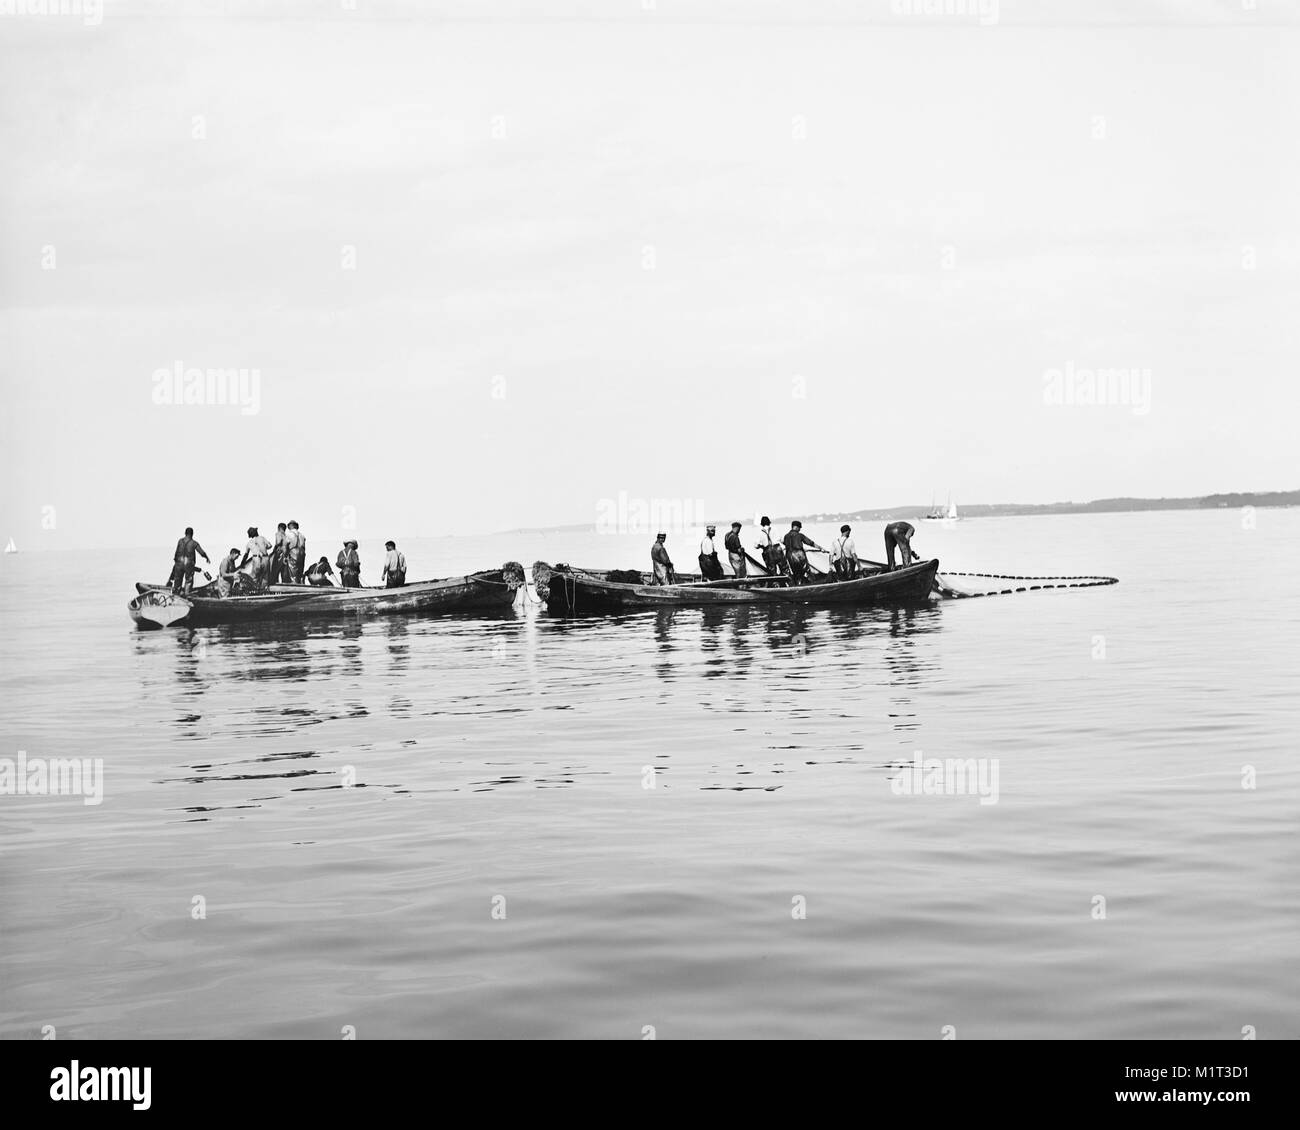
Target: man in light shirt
{"x": 844, "y": 555}
{"x": 772, "y": 551}
{"x": 394, "y": 571}
{"x": 710, "y": 566}
{"x": 257, "y": 557}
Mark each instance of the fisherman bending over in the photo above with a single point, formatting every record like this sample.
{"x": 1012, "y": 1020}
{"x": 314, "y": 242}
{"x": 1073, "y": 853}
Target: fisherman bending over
{"x": 320, "y": 574}
{"x": 899, "y": 534}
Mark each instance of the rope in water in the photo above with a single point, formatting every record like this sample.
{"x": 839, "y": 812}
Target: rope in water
{"x": 1079, "y": 582}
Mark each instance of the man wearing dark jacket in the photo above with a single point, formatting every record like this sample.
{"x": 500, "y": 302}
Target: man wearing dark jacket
{"x": 735, "y": 551}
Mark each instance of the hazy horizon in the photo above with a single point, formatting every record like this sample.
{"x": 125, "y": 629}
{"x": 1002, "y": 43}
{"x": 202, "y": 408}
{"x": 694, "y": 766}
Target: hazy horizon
{"x": 493, "y": 271}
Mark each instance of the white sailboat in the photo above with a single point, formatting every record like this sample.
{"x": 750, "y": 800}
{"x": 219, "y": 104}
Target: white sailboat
{"x": 11, "y": 547}
{"x": 943, "y": 514}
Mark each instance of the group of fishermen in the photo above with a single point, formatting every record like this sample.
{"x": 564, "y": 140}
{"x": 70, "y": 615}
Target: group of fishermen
{"x": 787, "y": 557}
{"x": 282, "y": 562}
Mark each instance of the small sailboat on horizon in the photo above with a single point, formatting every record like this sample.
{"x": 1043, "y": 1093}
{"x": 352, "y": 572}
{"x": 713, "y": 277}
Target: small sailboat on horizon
{"x": 11, "y": 547}
{"x": 942, "y": 514}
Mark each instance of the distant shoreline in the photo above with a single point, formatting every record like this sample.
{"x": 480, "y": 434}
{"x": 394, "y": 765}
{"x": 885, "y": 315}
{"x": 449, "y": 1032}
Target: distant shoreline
{"x": 1018, "y": 509}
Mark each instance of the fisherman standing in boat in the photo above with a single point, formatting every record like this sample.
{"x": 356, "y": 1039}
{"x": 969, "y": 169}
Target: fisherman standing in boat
{"x": 185, "y": 561}
{"x": 795, "y": 540}
{"x": 295, "y": 553}
{"x": 279, "y": 570}
{"x": 662, "y": 564}
{"x": 735, "y": 551}
{"x": 899, "y": 535}
{"x": 844, "y": 555}
{"x": 257, "y": 556}
{"x": 773, "y": 554}
{"x": 394, "y": 571}
{"x": 710, "y": 566}
{"x": 349, "y": 563}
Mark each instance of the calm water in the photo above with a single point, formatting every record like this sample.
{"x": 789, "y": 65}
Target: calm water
{"x": 506, "y": 759}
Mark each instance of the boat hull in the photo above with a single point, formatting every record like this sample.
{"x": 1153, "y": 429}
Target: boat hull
{"x": 490, "y": 591}
{"x": 580, "y": 593}
{"x": 158, "y": 608}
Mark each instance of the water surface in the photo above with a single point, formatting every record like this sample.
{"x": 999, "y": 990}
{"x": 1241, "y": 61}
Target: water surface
{"x": 442, "y": 827}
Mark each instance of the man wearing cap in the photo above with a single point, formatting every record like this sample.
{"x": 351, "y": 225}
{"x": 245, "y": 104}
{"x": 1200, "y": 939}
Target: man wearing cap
{"x": 710, "y": 566}
{"x": 349, "y": 566}
{"x": 295, "y": 553}
{"x": 735, "y": 551}
{"x": 185, "y": 561}
{"x": 257, "y": 555}
{"x": 844, "y": 555}
{"x": 773, "y": 553}
{"x": 394, "y": 571}
{"x": 662, "y": 563}
{"x": 795, "y": 540}
{"x": 898, "y": 535}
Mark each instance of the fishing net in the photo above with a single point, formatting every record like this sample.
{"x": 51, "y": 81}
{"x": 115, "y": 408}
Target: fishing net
{"x": 961, "y": 585}
{"x": 241, "y": 584}
{"x": 542, "y": 574}
{"x": 626, "y": 577}
{"x": 513, "y": 574}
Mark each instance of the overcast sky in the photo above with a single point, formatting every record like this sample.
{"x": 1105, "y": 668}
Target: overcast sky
{"x": 785, "y": 257}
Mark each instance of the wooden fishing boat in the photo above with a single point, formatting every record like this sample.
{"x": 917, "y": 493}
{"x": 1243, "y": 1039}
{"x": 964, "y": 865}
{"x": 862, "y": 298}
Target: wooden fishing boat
{"x": 494, "y": 590}
{"x": 158, "y": 608}
{"x": 579, "y": 592}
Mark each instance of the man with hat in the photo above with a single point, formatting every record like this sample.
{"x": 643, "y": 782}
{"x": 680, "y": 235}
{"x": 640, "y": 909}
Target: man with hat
{"x": 844, "y": 555}
{"x": 257, "y": 556}
{"x": 773, "y": 554}
{"x": 662, "y": 564}
{"x": 735, "y": 551}
{"x": 710, "y": 566}
{"x": 349, "y": 566}
{"x": 394, "y": 571}
{"x": 795, "y": 540}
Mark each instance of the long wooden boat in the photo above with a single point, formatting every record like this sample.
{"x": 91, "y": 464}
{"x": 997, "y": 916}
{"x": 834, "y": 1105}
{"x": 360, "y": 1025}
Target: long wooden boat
{"x": 494, "y": 590}
{"x": 580, "y": 592}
